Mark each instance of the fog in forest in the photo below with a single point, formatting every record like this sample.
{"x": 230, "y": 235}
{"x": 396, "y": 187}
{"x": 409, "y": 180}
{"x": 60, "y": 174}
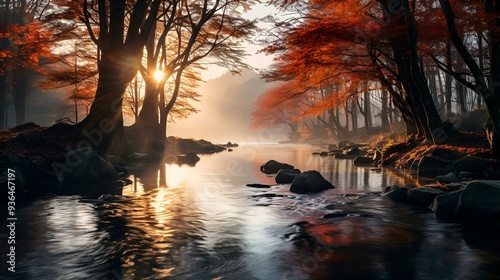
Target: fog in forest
{"x": 225, "y": 108}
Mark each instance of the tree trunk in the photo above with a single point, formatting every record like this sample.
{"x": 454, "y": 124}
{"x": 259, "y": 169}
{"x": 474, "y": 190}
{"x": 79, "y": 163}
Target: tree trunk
{"x": 384, "y": 114}
{"x": 492, "y": 100}
{"x": 368, "y": 112}
{"x": 20, "y": 92}
{"x": 431, "y": 77}
{"x": 3, "y": 101}
{"x": 490, "y": 92}
{"x": 441, "y": 101}
{"x": 448, "y": 93}
{"x": 415, "y": 83}
{"x": 148, "y": 117}
{"x": 461, "y": 100}
{"x": 103, "y": 127}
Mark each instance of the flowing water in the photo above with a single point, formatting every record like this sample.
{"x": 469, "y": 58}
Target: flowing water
{"x": 202, "y": 222}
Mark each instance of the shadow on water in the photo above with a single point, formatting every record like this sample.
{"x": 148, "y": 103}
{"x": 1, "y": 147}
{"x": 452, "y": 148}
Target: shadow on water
{"x": 202, "y": 222}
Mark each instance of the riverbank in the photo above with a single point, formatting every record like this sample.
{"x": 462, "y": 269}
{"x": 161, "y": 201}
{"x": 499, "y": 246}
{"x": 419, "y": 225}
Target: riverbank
{"x": 461, "y": 176}
{"x": 53, "y": 160}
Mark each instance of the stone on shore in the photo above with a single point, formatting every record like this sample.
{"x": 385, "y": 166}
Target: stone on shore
{"x": 480, "y": 200}
{"x": 448, "y": 178}
{"x": 84, "y": 172}
{"x": 310, "y": 182}
{"x": 445, "y": 205}
{"x": 423, "y": 196}
{"x": 397, "y": 193}
{"x": 29, "y": 178}
{"x": 272, "y": 167}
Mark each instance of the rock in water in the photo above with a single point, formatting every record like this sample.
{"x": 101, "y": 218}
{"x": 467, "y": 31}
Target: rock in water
{"x": 480, "y": 200}
{"x": 286, "y": 176}
{"x": 445, "y": 206}
{"x": 363, "y": 161}
{"x": 396, "y": 193}
{"x": 189, "y": 159}
{"x": 272, "y": 167}
{"x": 84, "y": 172}
{"x": 29, "y": 178}
{"x": 448, "y": 178}
{"x": 259, "y": 186}
{"x": 423, "y": 196}
{"x": 310, "y": 182}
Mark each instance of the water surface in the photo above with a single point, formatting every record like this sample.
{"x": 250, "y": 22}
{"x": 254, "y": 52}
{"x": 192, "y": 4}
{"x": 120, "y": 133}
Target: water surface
{"x": 202, "y": 222}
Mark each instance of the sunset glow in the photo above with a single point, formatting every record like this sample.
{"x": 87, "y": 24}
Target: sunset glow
{"x": 158, "y": 75}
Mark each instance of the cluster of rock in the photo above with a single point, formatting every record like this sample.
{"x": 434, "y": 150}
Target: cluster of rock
{"x": 184, "y": 146}
{"x": 477, "y": 200}
{"x": 301, "y": 182}
{"x": 430, "y": 161}
{"x": 362, "y": 154}
{"x": 81, "y": 171}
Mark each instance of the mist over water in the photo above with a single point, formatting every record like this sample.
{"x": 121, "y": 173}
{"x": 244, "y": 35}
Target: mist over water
{"x": 225, "y": 108}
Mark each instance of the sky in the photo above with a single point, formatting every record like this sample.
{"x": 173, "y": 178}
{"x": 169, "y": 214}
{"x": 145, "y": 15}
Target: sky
{"x": 254, "y": 59}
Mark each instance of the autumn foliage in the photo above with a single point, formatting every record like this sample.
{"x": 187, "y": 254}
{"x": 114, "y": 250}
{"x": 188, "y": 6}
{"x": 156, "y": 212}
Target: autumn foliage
{"x": 27, "y": 44}
{"x": 369, "y": 46}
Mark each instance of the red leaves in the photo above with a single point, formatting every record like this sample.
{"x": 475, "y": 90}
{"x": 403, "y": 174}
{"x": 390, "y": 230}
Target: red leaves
{"x": 27, "y": 43}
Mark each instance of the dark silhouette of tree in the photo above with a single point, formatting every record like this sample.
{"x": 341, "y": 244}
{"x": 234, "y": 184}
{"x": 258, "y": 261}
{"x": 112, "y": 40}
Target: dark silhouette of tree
{"x": 120, "y": 30}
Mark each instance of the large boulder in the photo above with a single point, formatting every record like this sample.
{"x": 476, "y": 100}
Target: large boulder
{"x": 310, "y": 182}
{"x": 84, "y": 172}
{"x": 29, "y": 179}
{"x": 474, "y": 165}
{"x": 448, "y": 178}
{"x": 423, "y": 196}
{"x": 397, "y": 193}
{"x": 432, "y": 167}
{"x": 480, "y": 200}
{"x": 286, "y": 176}
{"x": 189, "y": 159}
{"x": 272, "y": 167}
{"x": 445, "y": 205}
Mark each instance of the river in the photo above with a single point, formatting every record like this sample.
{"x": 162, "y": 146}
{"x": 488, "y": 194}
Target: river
{"x": 202, "y": 222}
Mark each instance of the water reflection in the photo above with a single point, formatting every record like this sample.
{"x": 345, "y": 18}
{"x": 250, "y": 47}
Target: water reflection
{"x": 202, "y": 222}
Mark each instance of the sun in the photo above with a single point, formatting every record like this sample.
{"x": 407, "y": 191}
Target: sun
{"x": 158, "y": 75}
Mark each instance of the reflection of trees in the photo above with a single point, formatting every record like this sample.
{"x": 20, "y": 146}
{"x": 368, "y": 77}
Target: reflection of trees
{"x": 167, "y": 232}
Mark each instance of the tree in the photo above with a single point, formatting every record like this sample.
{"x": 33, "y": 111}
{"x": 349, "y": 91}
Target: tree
{"x": 121, "y": 31}
{"x": 206, "y": 32}
{"x": 488, "y": 86}
{"x": 23, "y": 41}
{"x": 75, "y": 70}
